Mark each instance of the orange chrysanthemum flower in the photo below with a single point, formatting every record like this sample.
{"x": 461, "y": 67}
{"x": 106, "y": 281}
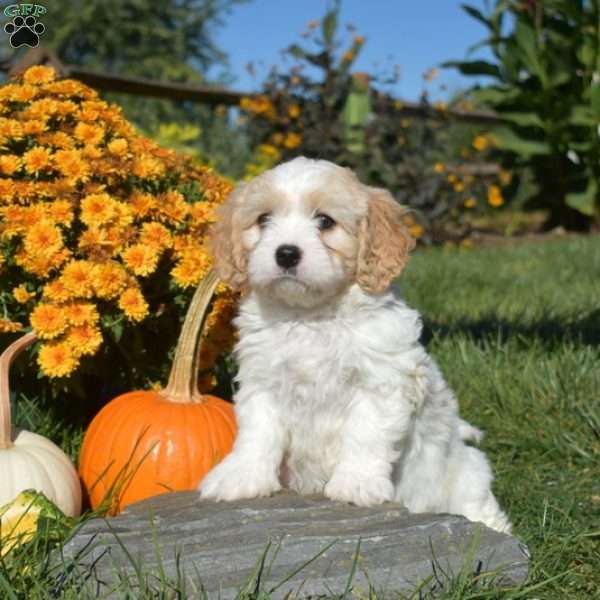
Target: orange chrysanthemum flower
{"x": 118, "y": 147}
{"x": 48, "y": 320}
{"x": 39, "y": 75}
{"x": 108, "y": 280}
{"x": 77, "y": 278}
{"x": 60, "y": 212}
{"x": 80, "y": 313}
{"x": 97, "y": 209}
{"x": 37, "y": 159}
{"x": 43, "y": 237}
{"x": 133, "y": 304}
{"x": 9, "y": 163}
{"x": 141, "y": 259}
{"x": 70, "y": 164}
{"x": 79, "y": 232}
{"x": 84, "y": 339}
{"x": 56, "y": 291}
{"x": 155, "y": 235}
{"x": 22, "y": 294}
{"x": 142, "y": 204}
{"x": 57, "y": 359}
{"x": 89, "y": 134}
{"x": 8, "y": 326}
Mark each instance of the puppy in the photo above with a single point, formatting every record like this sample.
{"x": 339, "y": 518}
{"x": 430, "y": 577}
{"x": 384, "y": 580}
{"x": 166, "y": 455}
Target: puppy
{"x": 336, "y": 394}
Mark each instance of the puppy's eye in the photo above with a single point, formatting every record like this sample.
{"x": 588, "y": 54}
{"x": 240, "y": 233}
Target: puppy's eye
{"x": 324, "y": 222}
{"x": 263, "y": 219}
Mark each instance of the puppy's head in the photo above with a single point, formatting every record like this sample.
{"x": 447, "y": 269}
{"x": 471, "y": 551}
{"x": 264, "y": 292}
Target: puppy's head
{"x": 306, "y": 230}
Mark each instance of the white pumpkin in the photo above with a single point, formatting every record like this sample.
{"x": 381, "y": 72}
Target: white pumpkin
{"x": 29, "y": 460}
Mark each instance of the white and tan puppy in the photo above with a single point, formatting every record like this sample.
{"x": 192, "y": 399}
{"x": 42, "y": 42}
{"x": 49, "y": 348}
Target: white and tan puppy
{"x": 336, "y": 394}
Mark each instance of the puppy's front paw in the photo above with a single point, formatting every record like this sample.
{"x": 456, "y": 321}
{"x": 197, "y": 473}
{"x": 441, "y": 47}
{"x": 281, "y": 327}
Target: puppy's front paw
{"x": 359, "y": 489}
{"x": 233, "y": 479}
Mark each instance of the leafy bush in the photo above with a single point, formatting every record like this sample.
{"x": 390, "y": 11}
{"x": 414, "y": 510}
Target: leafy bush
{"x": 101, "y": 237}
{"x": 320, "y": 109}
{"x": 547, "y": 89}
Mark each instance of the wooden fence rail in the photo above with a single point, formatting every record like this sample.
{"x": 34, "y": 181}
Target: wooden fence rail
{"x": 213, "y": 96}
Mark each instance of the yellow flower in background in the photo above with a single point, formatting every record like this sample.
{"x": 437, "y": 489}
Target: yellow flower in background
{"x": 39, "y": 75}
{"x": 459, "y": 186}
{"x": 22, "y": 294}
{"x": 358, "y": 39}
{"x": 293, "y": 111}
{"x": 416, "y": 230}
{"x": 348, "y": 56}
{"x": 470, "y": 202}
{"x": 57, "y": 359}
{"x": 452, "y": 178}
{"x": 37, "y": 159}
{"x": 505, "y": 177}
{"x": 8, "y": 326}
{"x": 84, "y": 339}
{"x": 141, "y": 259}
{"x": 133, "y": 304}
{"x": 494, "y": 196}
{"x": 480, "y": 143}
{"x": 292, "y": 140}
{"x": 48, "y": 320}
{"x": 439, "y": 167}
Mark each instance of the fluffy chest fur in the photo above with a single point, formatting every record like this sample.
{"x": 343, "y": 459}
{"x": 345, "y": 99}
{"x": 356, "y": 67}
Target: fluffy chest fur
{"x": 312, "y": 368}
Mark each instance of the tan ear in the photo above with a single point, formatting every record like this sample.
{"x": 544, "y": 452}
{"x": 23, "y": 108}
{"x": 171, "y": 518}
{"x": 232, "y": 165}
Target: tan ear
{"x": 384, "y": 242}
{"x": 225, "y": 243}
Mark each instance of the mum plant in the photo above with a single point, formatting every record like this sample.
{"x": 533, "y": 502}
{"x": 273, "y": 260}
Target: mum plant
{"x": 102, "y": 238}
{"x": 545, "y": 85}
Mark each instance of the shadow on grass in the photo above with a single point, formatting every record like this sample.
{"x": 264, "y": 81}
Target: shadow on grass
{"x": 550, "y": 331}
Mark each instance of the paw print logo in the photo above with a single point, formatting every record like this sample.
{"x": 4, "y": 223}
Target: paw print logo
{"x": 24, "y": 32}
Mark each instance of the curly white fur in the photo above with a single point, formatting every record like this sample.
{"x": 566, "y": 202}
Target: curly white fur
{"x": 336, "y": 394}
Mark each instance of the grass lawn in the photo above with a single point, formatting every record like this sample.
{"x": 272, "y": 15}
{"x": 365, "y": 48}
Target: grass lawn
{"x": 516, "y": 330}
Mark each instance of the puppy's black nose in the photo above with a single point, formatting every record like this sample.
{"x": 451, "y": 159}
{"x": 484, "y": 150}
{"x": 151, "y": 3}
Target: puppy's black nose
{"x": 288, "y": 256}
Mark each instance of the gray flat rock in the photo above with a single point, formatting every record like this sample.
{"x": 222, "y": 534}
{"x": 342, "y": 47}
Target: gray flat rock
{"x": 219, "y": 547}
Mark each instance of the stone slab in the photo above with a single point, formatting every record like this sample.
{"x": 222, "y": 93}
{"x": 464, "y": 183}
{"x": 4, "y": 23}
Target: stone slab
{"x": 219, "y": 547}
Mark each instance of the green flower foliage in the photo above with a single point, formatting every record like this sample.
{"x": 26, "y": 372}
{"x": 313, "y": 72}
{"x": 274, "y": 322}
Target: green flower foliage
{"x": 546, "y": 73}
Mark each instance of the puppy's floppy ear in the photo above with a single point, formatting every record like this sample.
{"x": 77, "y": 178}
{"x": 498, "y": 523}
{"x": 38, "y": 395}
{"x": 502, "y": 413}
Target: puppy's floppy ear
{"x": 384, "y": 242}
{"x": 225, "y": 242}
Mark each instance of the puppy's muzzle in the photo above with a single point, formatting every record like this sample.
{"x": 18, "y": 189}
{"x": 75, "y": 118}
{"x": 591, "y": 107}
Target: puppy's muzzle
{"x": 288, "y": 256}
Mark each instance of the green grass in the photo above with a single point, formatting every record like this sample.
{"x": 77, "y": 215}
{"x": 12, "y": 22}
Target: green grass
{"x": 517, "y": 333}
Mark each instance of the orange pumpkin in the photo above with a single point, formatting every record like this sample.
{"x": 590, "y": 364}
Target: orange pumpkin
{"x": 146, "y": 443}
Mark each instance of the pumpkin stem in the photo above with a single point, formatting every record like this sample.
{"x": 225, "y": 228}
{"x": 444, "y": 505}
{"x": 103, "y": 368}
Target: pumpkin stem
{"x": 6, "y": 359}
{"x": 183, "y": 379}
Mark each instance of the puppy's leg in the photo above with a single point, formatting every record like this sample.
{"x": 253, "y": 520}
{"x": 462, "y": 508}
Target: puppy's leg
{"x": 445, "y": 475}
{"x": 363, "y": 474}
{"x": 252, "y": 467}
{"x": 469, "y": 488}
